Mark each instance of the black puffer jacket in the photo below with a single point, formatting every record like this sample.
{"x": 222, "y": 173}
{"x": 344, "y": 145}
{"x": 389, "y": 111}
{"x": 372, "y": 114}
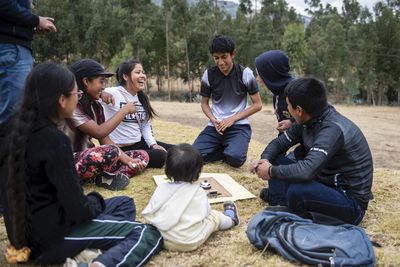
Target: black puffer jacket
{"x": 17, "y": 22}
{"x": 337, "y": 154}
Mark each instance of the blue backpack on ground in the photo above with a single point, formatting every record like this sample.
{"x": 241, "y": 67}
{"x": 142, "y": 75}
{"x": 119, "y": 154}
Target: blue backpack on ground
{"x": 301, "y": 240}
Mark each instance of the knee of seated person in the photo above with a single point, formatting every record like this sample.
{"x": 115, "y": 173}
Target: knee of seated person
{"x": 235, "y": 161}
{"x": 157, "y": 158}
{"x": 111, "y": 149}
{"x": 296, "y": 193}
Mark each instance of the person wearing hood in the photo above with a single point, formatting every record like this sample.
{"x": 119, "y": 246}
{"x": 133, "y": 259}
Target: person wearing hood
{"x": 272, "y": 69}
{"x": 180, "y": 209}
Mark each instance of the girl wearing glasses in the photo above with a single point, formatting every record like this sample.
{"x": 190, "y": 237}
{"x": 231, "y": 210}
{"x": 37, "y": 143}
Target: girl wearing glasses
{"x": 107, "y": 165}
{"x": 47, "y": 216}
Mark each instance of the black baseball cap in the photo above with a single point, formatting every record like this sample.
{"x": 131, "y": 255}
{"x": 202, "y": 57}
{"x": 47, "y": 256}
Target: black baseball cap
{"x": 88, "y": 68}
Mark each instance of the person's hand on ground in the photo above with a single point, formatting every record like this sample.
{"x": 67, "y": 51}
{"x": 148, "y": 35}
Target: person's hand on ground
{"x": 156, "y": 146}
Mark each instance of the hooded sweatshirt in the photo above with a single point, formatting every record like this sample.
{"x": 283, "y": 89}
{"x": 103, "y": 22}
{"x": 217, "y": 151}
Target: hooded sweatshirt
{"x": 273, "y": 68}
{"x": 179, "y": 211}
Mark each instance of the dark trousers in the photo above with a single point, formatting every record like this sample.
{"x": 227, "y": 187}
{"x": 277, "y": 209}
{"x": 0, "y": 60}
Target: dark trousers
{"x": 230, "y": 147}
{"x": 314, "y": 197}
{"x": 156, "y": 156}
{"x": 124, "y": 242}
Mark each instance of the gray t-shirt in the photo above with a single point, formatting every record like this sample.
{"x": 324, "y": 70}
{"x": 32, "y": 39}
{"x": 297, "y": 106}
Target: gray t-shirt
{"x": 228, "y": 93}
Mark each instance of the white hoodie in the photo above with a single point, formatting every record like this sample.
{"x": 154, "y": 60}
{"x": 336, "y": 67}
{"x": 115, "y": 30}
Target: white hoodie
{"x": 180, "y": 211}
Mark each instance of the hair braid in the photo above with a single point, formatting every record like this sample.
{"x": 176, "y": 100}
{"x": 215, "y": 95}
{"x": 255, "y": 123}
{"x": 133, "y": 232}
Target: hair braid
{"x": 16, "y": 193}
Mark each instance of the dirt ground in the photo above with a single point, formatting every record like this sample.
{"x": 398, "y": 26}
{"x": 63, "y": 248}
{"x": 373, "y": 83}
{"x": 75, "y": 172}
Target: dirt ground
{"x": 380, "y": 125}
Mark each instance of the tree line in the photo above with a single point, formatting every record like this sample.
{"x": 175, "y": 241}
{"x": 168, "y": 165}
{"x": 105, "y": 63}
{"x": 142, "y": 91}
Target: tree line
{"x": 356, "y": 51}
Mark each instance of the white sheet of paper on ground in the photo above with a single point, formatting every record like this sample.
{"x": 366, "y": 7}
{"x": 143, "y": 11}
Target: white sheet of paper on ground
{"x": 234, "y": 188}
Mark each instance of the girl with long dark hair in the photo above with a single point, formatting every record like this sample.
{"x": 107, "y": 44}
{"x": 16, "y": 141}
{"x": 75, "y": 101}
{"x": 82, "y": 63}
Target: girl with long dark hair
{"x": 135, "y": 131}
{"x": 46, "y": 212}
{"x": 106, "y": 164}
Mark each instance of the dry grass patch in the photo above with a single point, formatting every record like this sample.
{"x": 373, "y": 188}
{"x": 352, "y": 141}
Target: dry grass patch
{"x": 231, "y": 247}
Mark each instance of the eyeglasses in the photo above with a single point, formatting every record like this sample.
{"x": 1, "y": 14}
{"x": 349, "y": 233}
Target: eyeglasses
{"x": 79, "y": 94}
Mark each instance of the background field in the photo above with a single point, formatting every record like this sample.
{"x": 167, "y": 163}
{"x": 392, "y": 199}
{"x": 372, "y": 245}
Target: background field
{"x": 181, "y": 122}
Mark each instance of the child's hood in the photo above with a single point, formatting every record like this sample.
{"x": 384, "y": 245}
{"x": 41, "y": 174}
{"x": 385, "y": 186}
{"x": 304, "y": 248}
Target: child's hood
{"x": 169, "y": 203}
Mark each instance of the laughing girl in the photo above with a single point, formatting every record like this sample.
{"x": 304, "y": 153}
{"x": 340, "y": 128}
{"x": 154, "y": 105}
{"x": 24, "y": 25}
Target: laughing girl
{"x": 135, "y": 132}
{"x": 107, "y": 165}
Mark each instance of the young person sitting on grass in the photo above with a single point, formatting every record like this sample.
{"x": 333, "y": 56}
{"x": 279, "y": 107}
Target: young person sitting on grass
{"x": 47, "y": 216}
{"x": 228, "y": 132}
{"x": 334, "y": 178}
{"x": 106, "y": 164}
{"x": 180, "y": 208}
{"x": 135, "y": 130}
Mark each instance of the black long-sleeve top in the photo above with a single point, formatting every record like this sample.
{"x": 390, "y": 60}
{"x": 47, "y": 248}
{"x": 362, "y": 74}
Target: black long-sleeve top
{"x": 17, "y": 22}
{"x": 337, "y": 154}
{"x": 56, "y": 198}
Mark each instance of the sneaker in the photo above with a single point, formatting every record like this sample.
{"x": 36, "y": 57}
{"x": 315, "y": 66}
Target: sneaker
{"x": 230, "y": 210}
{"x": 264, "y": 194}
{"x": 112, "y": 181}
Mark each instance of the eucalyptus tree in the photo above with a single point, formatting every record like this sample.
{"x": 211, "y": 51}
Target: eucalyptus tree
{"x": 295, "y": 45}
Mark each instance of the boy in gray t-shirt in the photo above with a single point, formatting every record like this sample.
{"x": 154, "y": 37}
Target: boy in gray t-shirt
{"x": 228, "y": 132}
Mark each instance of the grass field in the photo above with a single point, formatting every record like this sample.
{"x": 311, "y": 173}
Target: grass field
{"x": 182, "y": 122}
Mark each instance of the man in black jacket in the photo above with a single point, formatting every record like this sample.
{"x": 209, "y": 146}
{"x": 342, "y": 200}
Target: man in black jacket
{"x": 334, "y": 177}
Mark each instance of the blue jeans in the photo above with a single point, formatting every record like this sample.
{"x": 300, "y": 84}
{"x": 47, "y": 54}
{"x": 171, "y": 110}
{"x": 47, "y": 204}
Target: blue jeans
{"x": 314, "y": 197}
{"x": 15, "y": 64}
{"x": 230, "y": 147}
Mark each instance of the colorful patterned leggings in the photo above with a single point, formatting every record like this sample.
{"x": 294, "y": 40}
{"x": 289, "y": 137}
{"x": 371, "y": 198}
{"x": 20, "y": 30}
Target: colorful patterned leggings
{"x": 94, "y": 161}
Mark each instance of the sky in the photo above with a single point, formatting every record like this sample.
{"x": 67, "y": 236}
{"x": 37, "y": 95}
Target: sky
{"x": 300, "y": 6}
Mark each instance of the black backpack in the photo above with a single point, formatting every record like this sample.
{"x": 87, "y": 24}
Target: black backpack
{"x": 301, "y": 240}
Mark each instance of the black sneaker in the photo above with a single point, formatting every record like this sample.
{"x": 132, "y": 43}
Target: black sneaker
{"x": 230, "y": 210}
{"x": 112, "y": 181}
{"x": 264, "y": 194}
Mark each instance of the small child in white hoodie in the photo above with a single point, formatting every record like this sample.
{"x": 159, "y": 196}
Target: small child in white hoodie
{"x": 180, "y": 209}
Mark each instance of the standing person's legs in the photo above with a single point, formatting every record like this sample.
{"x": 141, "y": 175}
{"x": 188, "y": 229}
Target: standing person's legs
{"x": 126, "y": 242}
{"x": 209, "y": 143}
{"x": 15, "y": 64}
{"x": 236, "y": 144}
{"x": 317, "y": 197}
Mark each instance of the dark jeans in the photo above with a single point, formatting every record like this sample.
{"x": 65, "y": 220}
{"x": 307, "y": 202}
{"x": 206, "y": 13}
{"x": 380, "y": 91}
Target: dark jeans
{"x": 230, "y": 147}
{"x": 156, "y": 156}
{"x": 314, "y": 197}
